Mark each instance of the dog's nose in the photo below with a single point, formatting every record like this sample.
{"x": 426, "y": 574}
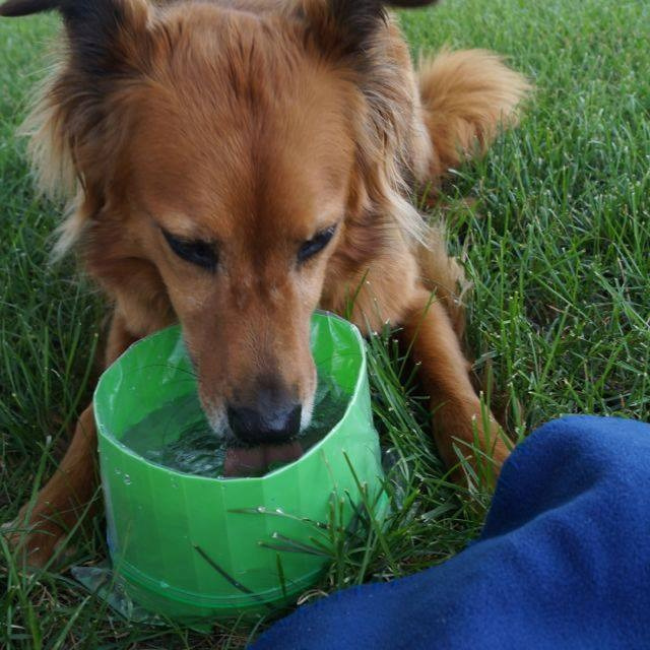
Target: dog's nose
{"x": 271, "y": 426}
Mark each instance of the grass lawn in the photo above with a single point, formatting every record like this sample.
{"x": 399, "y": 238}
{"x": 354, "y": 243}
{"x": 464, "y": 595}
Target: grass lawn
{"x": 556, "y": 239}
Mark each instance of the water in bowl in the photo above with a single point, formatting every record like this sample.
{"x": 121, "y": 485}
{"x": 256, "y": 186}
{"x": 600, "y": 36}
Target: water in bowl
{"x": 179, "y": 437}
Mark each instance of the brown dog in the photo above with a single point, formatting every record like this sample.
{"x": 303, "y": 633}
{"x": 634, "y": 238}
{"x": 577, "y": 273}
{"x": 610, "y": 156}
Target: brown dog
{"x": 233, "y": 165}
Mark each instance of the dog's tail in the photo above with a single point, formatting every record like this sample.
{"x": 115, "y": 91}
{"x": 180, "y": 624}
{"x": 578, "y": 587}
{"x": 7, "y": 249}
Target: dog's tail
{"x": 466, "y": 96}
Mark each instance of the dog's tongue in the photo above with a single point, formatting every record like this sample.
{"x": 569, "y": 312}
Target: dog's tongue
{"x": 255, "y": 461}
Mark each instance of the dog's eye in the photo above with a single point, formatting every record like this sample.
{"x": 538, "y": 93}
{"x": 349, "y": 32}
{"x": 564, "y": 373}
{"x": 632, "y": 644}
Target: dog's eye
{"x": 200, "y": 253}
{"x": 316, "y": 244}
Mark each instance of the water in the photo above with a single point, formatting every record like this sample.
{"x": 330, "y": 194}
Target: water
{"x": 179, "y": 437}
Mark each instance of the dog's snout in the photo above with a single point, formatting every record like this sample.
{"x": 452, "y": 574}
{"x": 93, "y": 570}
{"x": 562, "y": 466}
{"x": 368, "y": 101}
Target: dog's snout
{"x": 257, "y": 426}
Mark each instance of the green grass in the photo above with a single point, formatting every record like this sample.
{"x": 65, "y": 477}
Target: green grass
{"x": 555, "y": 239}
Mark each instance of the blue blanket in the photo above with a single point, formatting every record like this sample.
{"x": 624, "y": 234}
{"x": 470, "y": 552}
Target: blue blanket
{"x": 563, "y": 561}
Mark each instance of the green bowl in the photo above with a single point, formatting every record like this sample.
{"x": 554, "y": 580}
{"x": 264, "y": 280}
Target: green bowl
{"x": 195, "y": 548}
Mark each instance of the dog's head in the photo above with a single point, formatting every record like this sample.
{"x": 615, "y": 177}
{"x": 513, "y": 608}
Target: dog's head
{"x": 222, "y": 153}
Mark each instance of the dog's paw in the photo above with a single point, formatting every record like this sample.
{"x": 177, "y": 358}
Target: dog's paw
{"x": 35, "y": 542}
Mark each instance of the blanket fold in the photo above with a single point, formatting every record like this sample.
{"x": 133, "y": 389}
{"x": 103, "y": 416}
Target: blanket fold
{"x": 563, "y": 561}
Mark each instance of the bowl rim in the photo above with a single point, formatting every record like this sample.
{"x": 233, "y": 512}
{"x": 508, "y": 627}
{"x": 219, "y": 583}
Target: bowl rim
{"x": 104, "y": 434}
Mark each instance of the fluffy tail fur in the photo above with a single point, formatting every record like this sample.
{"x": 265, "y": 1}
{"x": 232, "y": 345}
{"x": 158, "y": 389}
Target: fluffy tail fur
{"x": 466, "y": 96}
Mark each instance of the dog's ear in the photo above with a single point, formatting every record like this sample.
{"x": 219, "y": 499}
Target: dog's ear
{"x": 348, "y": 25}
{"x": 73, "y": 144}
{"x": 102, "y": 33}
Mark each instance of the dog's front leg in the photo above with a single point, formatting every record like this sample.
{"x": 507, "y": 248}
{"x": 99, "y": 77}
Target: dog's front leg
{"x": 42, "y": 525}
{"x": 460, "y": 424}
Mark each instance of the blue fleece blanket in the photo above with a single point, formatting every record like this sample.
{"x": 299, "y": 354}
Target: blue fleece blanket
{"x": 563, "y": 561}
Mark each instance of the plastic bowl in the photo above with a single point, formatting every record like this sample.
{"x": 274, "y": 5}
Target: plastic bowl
{"x": 195, "y": 548}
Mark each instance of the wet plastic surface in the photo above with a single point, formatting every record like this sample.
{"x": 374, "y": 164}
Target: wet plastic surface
{"x": 195, "y": 548}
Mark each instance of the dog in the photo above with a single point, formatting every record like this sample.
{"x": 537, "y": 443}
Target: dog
{"x": 233, "y": 165}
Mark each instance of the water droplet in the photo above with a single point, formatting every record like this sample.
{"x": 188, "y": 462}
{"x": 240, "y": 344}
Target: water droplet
{"x": 127, "y": 479}
{"x": 261, "y": 509}
{"x": 118, "y": 471}
{"x": 279, "y": 511}
{"x": 164, "y": 585}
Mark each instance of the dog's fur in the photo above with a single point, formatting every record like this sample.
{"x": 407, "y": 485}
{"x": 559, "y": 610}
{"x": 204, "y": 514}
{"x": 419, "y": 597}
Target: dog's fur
{"x": 252, "y": 126}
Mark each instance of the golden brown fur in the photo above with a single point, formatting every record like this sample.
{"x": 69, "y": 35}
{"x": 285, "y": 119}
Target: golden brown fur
{"x": 250, "y": 127}
{"x": 467, "y": 96}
